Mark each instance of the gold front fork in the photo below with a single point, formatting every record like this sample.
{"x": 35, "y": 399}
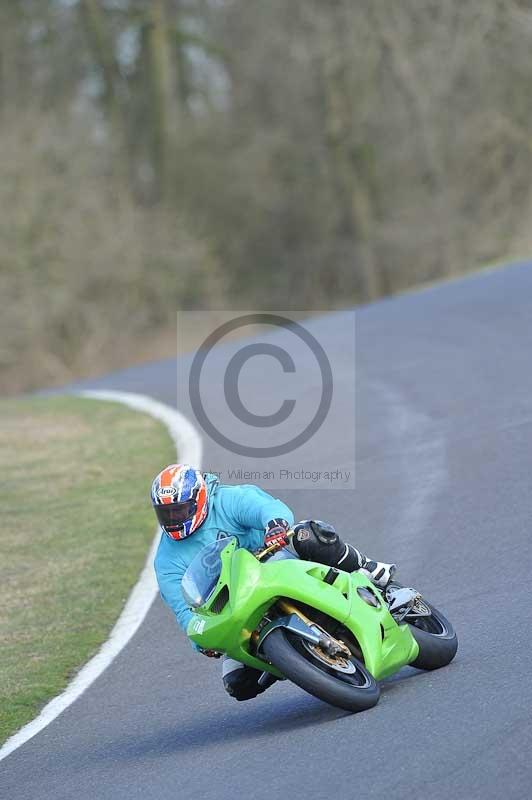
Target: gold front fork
{"x": 289, "y": 608}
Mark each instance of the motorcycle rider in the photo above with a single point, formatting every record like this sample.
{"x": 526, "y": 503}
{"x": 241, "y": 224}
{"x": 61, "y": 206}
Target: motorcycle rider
{"x": 194, "y": 509}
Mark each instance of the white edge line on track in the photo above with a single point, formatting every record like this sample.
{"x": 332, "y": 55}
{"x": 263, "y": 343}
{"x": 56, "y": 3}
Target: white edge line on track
{"x": 189, "y": 449}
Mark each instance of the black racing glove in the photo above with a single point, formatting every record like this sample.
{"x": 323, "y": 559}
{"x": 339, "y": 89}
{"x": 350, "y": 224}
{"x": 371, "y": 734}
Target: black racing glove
{"x": 276, "y": 532}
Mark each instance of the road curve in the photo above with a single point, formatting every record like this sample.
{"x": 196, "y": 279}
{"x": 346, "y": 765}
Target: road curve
{"x": 444, "y": 464}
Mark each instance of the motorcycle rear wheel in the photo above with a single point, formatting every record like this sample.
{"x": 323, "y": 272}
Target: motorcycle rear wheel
{"x": 436, "y": 638}
{"x": 353, "y": 690}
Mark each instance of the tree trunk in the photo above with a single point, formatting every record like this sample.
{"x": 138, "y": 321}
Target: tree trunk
{"x": 102, "y": 46}
{"x": 162, "y": 82}
{"x": 348, "y": 154}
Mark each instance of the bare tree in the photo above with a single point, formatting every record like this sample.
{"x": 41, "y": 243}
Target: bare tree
{"x": 164, "y": 152}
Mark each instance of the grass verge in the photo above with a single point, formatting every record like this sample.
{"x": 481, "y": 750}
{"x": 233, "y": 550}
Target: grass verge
{"x": 76, "y": 523}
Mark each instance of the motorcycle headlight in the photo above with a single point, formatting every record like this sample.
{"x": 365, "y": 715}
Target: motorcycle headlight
{"x": 368, "y": 596}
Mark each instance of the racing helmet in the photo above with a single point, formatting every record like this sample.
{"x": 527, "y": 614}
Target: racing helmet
{"x": 180, "y": 500}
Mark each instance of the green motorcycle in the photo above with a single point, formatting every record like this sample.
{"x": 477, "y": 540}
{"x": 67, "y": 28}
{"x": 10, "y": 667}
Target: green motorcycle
{"x": 333, "y": 633}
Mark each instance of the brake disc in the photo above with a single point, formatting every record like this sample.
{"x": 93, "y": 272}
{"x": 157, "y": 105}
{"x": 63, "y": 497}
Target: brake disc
{"x": 336, "y": 662}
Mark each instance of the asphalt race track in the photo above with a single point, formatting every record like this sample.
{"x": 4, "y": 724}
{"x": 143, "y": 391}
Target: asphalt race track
{"x": 444, "y": 488}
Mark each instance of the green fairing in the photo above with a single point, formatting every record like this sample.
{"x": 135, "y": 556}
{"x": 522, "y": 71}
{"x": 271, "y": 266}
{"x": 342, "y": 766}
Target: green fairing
{"x": 254, "y": 587}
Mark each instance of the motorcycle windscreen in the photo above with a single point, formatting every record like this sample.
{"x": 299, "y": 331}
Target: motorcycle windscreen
{"x": 203, "y": 573}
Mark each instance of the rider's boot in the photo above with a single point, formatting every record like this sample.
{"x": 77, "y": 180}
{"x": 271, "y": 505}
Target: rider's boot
{"x": 378, "y": 572}
{"x": 243, "y": 682}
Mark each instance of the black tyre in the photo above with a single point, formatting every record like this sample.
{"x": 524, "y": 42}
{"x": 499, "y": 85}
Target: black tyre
{"x": 350, "y": 687}
{"x": 436, "y": 638}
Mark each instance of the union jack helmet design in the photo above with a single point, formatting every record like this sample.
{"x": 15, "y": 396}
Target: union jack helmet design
{"x": 179, "y": 498}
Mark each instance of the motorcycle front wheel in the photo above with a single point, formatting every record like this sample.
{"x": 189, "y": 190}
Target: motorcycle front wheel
{"x": 342, "y": 682}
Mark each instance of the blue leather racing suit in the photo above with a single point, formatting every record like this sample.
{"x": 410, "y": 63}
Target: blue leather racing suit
{"x": 240, "y": 511}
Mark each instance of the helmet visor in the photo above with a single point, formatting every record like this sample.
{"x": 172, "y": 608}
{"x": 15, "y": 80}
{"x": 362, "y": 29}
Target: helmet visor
{"x": 174, "y": 515}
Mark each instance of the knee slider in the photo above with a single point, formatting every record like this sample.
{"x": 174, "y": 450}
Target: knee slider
{"x": 318, "y": 541}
